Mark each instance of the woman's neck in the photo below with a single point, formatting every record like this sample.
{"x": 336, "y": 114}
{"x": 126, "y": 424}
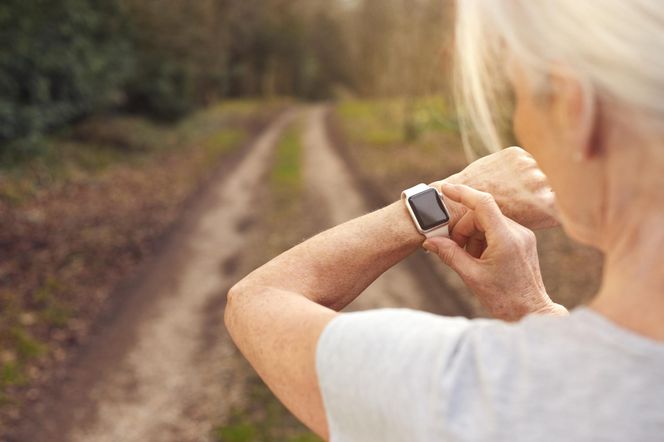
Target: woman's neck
{"x": 632, "y": 292}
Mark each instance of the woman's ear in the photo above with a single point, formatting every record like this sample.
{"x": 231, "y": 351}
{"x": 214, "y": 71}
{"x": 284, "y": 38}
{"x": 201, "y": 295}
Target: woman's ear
{"x": 577, "y": 115}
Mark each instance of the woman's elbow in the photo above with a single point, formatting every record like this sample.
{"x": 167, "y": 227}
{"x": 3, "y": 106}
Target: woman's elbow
{"x": 240, "y": 303}
{"x": 231, "y": 306}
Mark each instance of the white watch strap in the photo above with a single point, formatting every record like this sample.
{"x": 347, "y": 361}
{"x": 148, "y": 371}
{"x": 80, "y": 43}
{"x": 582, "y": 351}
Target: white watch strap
{"x": 415, "y": 190}
{"x": 440, "y": 231}
{"x": 443, "y": 230}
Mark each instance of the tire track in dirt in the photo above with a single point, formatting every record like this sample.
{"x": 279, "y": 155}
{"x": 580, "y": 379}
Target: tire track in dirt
{"x": 163, "y": 371}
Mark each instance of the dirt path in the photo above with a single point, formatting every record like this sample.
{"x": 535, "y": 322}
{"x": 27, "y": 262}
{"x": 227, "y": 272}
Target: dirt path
{"x": 160, "y": 381}
{"x": 164, "y": 368}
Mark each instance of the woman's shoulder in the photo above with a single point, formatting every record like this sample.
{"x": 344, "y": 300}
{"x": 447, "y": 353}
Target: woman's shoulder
{"x": 407, "y": 375}
{"x": 581, "y": 340}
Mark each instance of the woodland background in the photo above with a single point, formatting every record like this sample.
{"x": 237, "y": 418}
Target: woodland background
{"x": 65, "y": 59}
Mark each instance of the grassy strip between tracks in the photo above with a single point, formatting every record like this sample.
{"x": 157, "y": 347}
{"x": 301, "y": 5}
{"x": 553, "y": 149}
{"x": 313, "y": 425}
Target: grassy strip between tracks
{"x": 263, "y": 417}
{"x": 286, "y": 179}
{"x": 80, "y": 209}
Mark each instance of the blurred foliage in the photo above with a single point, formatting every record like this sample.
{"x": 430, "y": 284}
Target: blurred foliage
{"x": 395, "y": 121}
{"x": 59, "y": 60}
{"x": 262, "y": 418}
{"x": 394, "y": 140}
{"x": 64, "y": 59}
{"x": 99, "y": 143}
{"x": 377, "y": 122}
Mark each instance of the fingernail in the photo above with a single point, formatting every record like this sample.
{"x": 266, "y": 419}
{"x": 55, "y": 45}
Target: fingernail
{"x": 430, "y": 247}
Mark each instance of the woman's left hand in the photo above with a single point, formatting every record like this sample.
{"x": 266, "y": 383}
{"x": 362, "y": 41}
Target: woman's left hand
{"x": 517, "y": 184}
{"x": 495, "y": 256}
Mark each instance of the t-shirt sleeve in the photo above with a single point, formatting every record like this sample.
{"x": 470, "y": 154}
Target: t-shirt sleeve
{"x": 379, "y": 373}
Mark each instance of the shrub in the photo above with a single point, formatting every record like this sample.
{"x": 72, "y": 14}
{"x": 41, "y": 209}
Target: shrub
{"x": 60, "y": 59}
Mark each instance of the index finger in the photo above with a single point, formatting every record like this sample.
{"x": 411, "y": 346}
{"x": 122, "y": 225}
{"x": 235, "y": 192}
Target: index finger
{"x": 487, "y": 213}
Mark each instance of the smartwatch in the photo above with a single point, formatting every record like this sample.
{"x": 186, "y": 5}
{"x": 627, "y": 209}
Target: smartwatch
{"x": 427, "y": 209}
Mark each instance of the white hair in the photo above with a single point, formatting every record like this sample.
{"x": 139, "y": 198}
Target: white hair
{"x": 614, "y": 48}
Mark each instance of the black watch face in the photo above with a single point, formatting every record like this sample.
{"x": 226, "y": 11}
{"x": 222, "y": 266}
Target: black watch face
{"x": 429, "y": 209}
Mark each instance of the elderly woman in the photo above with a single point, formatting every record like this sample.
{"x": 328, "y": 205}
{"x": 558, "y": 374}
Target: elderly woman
{"x": 588, "y": 83}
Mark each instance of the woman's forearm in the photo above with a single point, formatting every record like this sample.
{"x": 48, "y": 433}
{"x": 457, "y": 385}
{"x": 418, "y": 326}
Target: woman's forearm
{"x": 335, "y": 266}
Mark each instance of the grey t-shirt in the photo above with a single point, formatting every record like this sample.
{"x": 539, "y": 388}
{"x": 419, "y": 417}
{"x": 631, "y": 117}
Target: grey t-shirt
{"x": 402, "y": 375}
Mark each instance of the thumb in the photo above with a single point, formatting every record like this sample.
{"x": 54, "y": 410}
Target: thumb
{"x": 451, "y": 254}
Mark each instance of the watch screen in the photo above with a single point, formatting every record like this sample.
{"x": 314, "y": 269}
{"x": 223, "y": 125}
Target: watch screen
{"x": 429, "y": 209}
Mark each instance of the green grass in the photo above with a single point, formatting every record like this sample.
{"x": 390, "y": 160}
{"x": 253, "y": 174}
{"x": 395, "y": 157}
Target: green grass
{"x": 286, "y": 179}
{"x": 97, "y": 144}
{"x": 386, "y": 122}
{"x": 264, "y": 419}
{"x": 11, "y": 375}
{"x": 433, "y": 114}
{"x": 26, "y": 346}
{"x": 18, "y": 348}
{"x": 223, "y": 142}
{"x": 238, "y": 432}
{"x": 397, "y": 142}
{"x": 17, "y": 344}
{"x": 373, "y": 122}
{"x": 50, "y": 308}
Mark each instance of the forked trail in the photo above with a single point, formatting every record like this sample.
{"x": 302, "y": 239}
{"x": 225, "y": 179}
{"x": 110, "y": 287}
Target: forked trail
{"x": 164, "y": 368}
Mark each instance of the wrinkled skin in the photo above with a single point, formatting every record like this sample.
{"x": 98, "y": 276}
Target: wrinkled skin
{"x": 499, "y": 263}
{"x": 517, "y": 184}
